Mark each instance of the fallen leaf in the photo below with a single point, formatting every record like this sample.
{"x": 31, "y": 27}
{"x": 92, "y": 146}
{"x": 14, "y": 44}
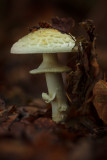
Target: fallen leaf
{"x": 63, "y": 24}
{"x": 100, "y": 99}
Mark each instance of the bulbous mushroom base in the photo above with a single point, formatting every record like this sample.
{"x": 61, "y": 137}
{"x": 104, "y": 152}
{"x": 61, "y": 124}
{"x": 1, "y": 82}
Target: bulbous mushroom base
{"x": 59, "y": 103}
{"x": 58, "y": 115}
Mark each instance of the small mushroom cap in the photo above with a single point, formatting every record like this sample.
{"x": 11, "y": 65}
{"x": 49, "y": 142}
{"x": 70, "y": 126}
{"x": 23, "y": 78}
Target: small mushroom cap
{"x": 44, "y": 40}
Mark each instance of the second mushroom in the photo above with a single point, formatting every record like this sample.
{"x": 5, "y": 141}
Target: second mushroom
{"x": 49, "y": 42}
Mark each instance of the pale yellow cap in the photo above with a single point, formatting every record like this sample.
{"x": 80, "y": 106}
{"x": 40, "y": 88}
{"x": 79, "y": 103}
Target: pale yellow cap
{"x": 44, "y": 40}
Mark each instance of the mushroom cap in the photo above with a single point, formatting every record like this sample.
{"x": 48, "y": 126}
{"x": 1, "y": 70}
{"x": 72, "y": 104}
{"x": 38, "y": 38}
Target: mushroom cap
{"x": 44, "y": 40}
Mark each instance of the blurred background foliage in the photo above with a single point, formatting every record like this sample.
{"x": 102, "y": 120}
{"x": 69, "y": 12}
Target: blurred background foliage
{"x": 17, "y": 86}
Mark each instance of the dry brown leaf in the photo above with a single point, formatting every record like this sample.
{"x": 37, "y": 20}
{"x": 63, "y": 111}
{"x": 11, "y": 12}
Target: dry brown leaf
{"x": 100, "y": 99}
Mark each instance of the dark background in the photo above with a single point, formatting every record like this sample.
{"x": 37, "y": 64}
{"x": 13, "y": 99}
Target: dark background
{"x": 17, "y": 86}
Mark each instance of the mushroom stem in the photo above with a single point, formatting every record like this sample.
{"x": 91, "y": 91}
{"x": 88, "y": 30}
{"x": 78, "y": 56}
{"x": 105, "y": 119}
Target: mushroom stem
{"x": 56, "y": 89}
{"x": 50, "y": 59}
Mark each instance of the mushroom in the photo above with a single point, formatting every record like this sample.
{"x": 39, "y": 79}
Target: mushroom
{"x": 49, "y": 41}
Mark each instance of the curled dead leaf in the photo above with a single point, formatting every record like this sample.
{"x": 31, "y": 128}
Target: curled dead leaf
{"x": 100, "y": 99}
{"x": 63, "y": 24}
